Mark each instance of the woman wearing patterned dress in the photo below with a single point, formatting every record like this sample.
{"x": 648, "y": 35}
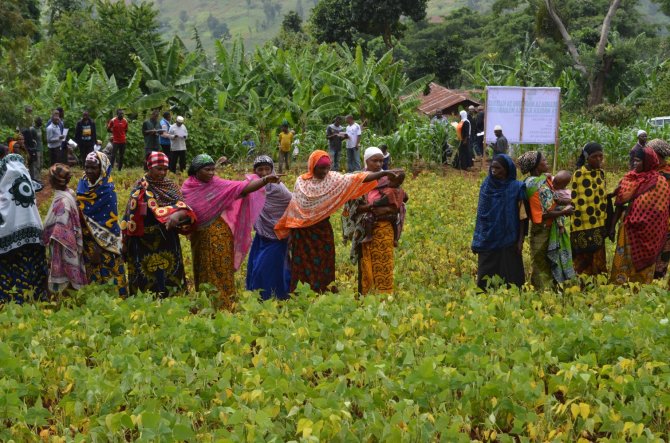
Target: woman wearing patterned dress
{"x": 589, "y": 196}
{"x": 662, "y": 150}
{"x": 267, "y": 270}
{"x": 225, "y": 211}
{"x": 373, "y": 223}
{"x": 644, "y": 195}
{"x": 550, "y": 249}
{"x": 23, "y": 266}
{"x": 63, "y": 235}
{"x": 102, "y": 234}
{"x": 317, "y": 195}
{"x": 155, "y": 216}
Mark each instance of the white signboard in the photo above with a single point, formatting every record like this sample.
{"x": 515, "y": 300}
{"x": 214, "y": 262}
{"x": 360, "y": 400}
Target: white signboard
{"x": 527, "y": 115}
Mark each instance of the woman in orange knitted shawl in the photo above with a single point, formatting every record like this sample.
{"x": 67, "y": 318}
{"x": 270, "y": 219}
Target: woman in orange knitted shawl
{"x": 317, "y": 195}
{"x": 644, "y": 195}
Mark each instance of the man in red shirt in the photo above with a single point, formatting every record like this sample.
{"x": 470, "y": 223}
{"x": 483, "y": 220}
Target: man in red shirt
{"x": 118, "y": 127}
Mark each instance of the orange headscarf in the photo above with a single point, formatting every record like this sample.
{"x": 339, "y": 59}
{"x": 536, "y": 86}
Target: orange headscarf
{"x": 315, "y": 200}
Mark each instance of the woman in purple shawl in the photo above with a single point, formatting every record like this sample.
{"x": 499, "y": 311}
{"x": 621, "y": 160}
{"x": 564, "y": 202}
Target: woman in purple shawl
{"x": 267, "y": 269}
{"x": 225, "y": 211}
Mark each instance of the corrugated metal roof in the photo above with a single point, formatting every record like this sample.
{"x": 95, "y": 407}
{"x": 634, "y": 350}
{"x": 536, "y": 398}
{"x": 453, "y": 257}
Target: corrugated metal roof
{"x": 441, "y": 98}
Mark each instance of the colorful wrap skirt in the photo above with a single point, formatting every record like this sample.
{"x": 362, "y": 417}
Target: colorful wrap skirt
{"x": 312, "y": 256}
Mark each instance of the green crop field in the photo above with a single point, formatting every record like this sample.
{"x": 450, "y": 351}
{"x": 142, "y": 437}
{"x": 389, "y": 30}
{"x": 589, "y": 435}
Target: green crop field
{"x": 436, "y": 361}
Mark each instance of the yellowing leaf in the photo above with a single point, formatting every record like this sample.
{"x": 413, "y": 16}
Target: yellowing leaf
{"x": 584, "y": 410}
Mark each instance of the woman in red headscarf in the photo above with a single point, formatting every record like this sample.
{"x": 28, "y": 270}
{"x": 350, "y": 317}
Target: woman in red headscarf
{"x": 155, "y": 216}
{"x": 317, "y": 195}
{"x": 644, "y": 198}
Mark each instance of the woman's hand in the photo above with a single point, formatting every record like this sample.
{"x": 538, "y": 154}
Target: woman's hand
{"x": 272, "y": 178}
{"x": 223, "y": 160}
{"x": 361, "y": 209}
{"x": 381, "y": 211}
{"x": 175, "y": 219}
{"x": 568, "y": 210}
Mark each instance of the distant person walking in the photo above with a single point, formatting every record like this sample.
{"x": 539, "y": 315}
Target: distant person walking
{"x": 464, "y": 160}
{"x": 118, "y": 126}
{"x": 478, "y": 132}
{"x": 85, "y": 136}
{"x": 164, "y": 139}
{"x": 641, "y": 143}
{"x": 285, "y": 139}
{"x": 353, "y": 134}
{"x": 55, "y": 139}
{"x": 178, "y": 133}
{"x": 37, "y": 153}
{"x": 151, "y": 128}
{"x": 501, "y": 146}
{"x": 334, "y": 137}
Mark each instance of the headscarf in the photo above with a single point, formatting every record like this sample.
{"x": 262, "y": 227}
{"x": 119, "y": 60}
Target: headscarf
{"x": 529, "y": 161}
{"x": 372, "y": 151}
{"x": 98, "y": 204}
{"x": 316, "y": 200}
{"x": 464, "y": 115}
{"x": 92, "y": 157}
{"x": 660, "y": 147}
{"x": 646, "y": 219}
{"x": 60, "y": 174}
{"x": 497, "y": 224}
{"x": 20, "y": 222}
{"x": 634, "y": 184}
{"x": 199, "y": 162}
{"x": 312, "y": 163}
{"x": 263, "y": 160}
{"x": 157, "y": 159}
{"x": 589, "y": 148}
{"x": 222, "y": 198}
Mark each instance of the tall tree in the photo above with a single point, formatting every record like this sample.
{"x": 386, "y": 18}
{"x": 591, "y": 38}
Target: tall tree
{"x": 330, "y": 22}
{"x": 85, "y": 36}
{"x": 382, "y": 17}
{"x": 597, "y": 72}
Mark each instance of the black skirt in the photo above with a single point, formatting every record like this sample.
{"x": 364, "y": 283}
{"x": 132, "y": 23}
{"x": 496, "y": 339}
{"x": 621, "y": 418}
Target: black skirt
{"x": 506, "y": 263}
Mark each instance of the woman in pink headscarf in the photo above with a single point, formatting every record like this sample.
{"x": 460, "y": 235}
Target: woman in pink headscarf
{"x": 222, "y": 235}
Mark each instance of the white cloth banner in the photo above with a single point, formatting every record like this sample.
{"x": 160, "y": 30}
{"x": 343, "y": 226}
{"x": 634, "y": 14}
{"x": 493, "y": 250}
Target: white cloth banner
{"x": 527, "y": 115}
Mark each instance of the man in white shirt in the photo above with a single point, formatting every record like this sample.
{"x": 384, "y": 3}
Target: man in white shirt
{"x": 353, "y": 140}
{"x": 178, "y": 135}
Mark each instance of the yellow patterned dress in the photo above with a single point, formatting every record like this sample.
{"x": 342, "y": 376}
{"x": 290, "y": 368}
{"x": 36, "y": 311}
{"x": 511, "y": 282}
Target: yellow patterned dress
{"x": 376, "y": 264}
{"x": 212, "y": 248}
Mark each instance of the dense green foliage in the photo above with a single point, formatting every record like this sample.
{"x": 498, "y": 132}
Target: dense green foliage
{"x": 435, "y": 361}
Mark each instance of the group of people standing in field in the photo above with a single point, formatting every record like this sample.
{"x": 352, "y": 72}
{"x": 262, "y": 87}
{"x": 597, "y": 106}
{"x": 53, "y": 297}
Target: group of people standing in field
{"x": 85, "y": 240}
{"x": 570, "y": 216}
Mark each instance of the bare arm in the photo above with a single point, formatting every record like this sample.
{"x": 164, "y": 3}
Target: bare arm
{"x": 372, "y": 176}
{"x": 255, "y": 185}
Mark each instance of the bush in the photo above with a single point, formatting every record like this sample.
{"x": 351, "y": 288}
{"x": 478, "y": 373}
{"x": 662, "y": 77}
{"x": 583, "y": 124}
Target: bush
{"x": 613, "y": 114}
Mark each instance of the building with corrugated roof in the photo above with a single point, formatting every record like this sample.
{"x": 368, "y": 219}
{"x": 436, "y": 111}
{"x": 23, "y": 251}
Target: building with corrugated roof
{"x": 446, "y": 100}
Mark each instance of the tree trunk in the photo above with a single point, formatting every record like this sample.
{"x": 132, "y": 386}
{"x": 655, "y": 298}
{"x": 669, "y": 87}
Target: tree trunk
{"x": 597, "y": 82}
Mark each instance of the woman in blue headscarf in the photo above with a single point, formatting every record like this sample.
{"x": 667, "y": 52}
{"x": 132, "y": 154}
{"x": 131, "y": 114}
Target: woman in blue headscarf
{"x": 499, "y": 229}
{"x": 102, "y": 235}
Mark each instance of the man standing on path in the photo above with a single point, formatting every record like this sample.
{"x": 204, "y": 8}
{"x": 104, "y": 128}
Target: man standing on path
{"x": 118, "y": 126}
{"x": 478, "y": 131}
{"x": 164, "y": 139}
{"x": 178, "y": 134}
{"x": 151, "y": 128}
{"x": 333, "y": 134}
{"x": 353, "y": 141}
{"x": 55, "y": 140}
{"x": 501, "y": 146}
{"x": 285, "y": 140}
{"x": 641, "y": 143}
{"x": 36, "y": 153}
{"x": 85, "y": 136}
